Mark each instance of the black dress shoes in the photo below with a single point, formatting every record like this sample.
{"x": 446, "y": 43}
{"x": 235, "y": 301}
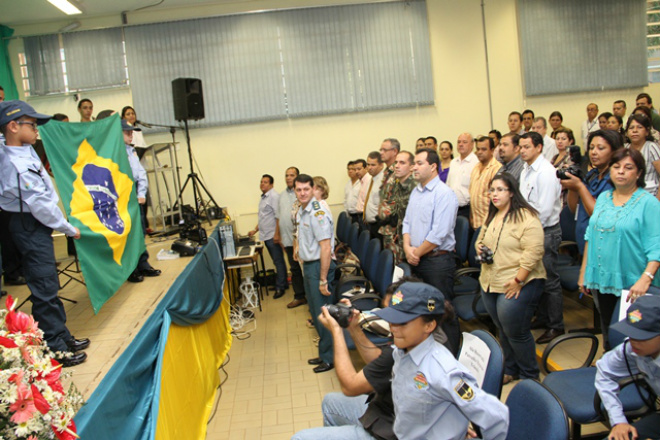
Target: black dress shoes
{"x": 278, "y": 294}
{"x": 72, "y": 360}
{"x": 18, "y": 281}
{"x": 151, "y": 272}
{"x": 549, "y": 335}
{"x": 77, "y": 344}
{"x": 315, "y": 361}
{"x": 135, "y": 277}
{"x": 322, "y": 368}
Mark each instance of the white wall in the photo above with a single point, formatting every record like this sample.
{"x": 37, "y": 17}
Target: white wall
{"x": 232, "y": 159}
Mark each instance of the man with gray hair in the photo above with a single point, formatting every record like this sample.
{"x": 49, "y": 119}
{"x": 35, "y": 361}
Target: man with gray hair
{"x": 540, "y": 126}
{"x": 460, "y": 170}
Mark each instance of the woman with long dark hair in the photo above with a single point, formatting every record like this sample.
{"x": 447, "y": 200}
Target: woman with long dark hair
{"x": 445, "y": 151}
{"x": 512, "y": 278}
{"x": 582, "y": 194}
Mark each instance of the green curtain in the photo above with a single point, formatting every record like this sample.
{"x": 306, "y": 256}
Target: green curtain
{"x": 6, "y": 76}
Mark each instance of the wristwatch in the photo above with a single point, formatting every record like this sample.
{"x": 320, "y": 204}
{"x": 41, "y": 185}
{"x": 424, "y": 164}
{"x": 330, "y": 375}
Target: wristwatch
{"x": 522, "y": 283}
{"x": 323, "y": 282}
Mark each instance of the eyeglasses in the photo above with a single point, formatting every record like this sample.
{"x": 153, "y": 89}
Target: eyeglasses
{"x": 497, "y": 190}
{"x": 33, "y": 124}
{"x": 382, "y": 150}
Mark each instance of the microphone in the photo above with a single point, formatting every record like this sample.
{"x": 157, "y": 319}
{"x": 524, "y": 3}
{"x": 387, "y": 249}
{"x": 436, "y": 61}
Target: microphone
{"x": 144, "y": 124}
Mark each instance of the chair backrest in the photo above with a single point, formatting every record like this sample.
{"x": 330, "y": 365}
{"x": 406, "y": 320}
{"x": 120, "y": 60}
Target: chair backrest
{"x": 461, "y": 233}
{"x": 472, "y": 250}
{"x": 353, "y": 235}
{"x": 371, "y": 265}
{"x": 361, "y": 249}
{"x": 535, "y": 412}
{"x": 492, "y": 383}
{"x": 567, "y": 223}
{"x": 383, "y": 278}
{"x": 343, "y": 227}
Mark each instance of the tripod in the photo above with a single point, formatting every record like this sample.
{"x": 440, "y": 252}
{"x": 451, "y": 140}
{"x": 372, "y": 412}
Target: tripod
{"x": 196, "y": 184}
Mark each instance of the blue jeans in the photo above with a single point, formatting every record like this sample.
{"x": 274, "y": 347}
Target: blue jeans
{"x": 513, "y": 319}
{"x": 551, "y": 307}
{"x": 277, "y": 255}
{"x": 340, "y": 419}
{"x": 312, "y": 272}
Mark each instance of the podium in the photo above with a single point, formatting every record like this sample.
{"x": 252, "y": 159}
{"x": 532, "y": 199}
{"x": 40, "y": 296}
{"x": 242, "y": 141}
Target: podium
{"x": 162, "y": 167}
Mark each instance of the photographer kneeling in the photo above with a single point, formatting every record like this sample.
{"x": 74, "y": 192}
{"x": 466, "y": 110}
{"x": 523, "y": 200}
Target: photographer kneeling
{"x": 582, "y": 193}
{"x": 364, "y": 409}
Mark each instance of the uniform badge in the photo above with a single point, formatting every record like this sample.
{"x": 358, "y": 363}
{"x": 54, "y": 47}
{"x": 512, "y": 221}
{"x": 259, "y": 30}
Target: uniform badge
{"x": 316, "y": 205}
{"x": 397, "y": 298}
{"x": 420, "y": 381}
{"x": 634, "y": 316}
{"x": 464, "y": 390}
{"x": 430, "y": 305}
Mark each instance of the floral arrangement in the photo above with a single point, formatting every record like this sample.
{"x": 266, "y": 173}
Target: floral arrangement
{"x": 33, "y": 403}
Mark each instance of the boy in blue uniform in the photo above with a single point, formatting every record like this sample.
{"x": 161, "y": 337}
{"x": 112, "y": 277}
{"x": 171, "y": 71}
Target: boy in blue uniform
{"x": 30, "y": 213}
{"x": 434, "y": 395}
{"x": 143, "y": 268}
{"x": 638, "y": 354}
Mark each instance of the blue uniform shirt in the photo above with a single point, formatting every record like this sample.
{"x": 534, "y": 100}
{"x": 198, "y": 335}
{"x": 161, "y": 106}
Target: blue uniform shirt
{"x": 139, "y": 175}
{"x": 314, "y": 224}
{"x": 435, "y": 397}
{"x": 612, "y": 367}
{"x": 431, "y": 215}
{"x": 268, "y": 206}
{"x": 21, "y": 164}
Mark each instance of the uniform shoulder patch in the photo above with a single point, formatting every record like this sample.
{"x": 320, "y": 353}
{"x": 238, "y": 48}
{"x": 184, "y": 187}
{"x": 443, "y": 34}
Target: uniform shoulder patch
{"x": 316, "y": 205}
{"x": 464, "y": 391}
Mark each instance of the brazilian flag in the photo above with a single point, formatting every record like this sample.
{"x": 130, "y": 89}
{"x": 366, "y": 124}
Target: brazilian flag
{"x": 96, "y": 186}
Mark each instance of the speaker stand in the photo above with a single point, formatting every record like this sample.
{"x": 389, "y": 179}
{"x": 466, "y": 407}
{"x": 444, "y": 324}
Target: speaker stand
{"x": 196, "y": 183}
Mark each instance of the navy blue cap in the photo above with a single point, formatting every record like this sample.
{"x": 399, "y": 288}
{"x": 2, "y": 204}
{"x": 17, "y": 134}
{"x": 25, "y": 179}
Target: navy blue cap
{"x": 12, "y": 110}
{"x": 412, "y": 300}
{"x": 125, "y": 126}
{"x": 642, "y": 320}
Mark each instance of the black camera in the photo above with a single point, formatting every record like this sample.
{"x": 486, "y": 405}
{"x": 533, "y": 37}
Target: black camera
{"x": 193, "y": 231}
{"x": 485, "y": 256}
{"x": 341, "y": 313}
{"x": 576, "y": 157}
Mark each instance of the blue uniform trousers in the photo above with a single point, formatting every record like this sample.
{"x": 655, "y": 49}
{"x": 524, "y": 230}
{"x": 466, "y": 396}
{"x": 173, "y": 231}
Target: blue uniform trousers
{"x": 277, "y": 255}
{"x": 35, "y": 244}
{"x": 312, "y": 272}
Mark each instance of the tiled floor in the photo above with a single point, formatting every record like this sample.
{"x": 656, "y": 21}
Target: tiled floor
{"x": 270, "y": 392}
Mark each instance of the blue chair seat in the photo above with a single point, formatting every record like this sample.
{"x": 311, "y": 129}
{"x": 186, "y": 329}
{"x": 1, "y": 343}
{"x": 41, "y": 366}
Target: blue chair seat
{"x": 568, "y": 277}
{"x": 463, "y": 306}
{"x": 576, "y": 391}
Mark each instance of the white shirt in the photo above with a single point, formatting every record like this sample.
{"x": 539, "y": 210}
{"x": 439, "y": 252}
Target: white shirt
{"x": 549, "y": 148}
{"x": 351, "y": 192}
{"x": 459, "y": 177}
{"x": 588, "y": 127}
{"x": 541, "y": 188}
{"x": 371, "y": 208}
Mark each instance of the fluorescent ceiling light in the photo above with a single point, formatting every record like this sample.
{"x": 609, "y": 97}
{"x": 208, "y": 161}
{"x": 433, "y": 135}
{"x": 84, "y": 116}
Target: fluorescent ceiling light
{"x": 65, "y": 6}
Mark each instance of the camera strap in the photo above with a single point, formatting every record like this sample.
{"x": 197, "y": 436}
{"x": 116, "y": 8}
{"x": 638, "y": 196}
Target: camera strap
{"x": 645, "y": 399}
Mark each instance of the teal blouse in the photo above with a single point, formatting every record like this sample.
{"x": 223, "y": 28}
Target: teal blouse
{"x": 622, "y": 240}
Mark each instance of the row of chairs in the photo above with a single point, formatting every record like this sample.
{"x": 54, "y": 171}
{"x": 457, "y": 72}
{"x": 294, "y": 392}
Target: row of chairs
{"x": 528, "y": 399}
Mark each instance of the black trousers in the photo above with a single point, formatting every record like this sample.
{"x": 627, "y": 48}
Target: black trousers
{"x": 297, "y": 281}
{"x": 35, "y": 244}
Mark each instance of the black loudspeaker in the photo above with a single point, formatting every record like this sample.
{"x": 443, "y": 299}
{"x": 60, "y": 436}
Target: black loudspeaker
{"x": 188, "y": 99}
